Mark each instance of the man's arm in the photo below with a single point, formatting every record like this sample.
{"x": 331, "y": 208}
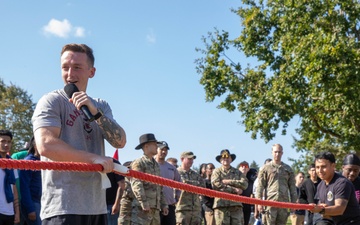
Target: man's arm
{"x": 51, "y": 146}
{"x": 113, "y": 132}
{"x": 16, "y": 205}
{"x": 177, "y": 177}
{"x": 292, "y": 187}
{"x": 260, "y": 188}
{"x": 116, "y": 207}
{"x": 334, "y": 210}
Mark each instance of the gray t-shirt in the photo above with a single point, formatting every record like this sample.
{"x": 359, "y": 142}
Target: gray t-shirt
{"x": 170, "y": 172}
{"x": 71, "y": 192}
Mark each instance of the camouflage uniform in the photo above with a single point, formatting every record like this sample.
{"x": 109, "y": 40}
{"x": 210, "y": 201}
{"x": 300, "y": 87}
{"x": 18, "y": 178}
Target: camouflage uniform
{"x": 278, "y": 181}
{"x": 126, "y": 204}
{"x": 147, "y": 194}
{"x": 225, "y": 211}
{"x": 188, "y": 208}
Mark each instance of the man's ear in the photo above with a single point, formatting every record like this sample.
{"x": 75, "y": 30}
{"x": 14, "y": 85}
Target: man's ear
{"x": 92, "y": 72}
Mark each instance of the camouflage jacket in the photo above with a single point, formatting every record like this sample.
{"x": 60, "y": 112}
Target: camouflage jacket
{"x": 278, "y": 181}
{"x": 187, "y": 200}
{"x": 238, "y": 181}
{"x": 146, "y": 193}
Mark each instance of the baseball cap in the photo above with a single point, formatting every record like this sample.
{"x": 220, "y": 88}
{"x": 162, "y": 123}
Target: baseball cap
{"x": 188, "y": 155}
{"x": 163, "y": 144}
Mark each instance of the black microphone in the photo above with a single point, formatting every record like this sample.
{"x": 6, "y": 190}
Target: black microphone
{"x": 69, "y": 90}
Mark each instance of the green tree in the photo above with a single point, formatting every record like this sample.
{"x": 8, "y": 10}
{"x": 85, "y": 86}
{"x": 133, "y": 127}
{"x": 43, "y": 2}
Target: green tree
{"x": 307, "y": 69}
{"x": 16, "y": 110}
{"x": 254, "y": 165}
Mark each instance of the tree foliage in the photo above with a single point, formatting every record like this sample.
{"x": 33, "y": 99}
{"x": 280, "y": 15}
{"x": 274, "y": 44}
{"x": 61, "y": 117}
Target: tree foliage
{"x": 16, "y": 110}
{"x": 307, "y": 67}
{"x": 254, "y": 165}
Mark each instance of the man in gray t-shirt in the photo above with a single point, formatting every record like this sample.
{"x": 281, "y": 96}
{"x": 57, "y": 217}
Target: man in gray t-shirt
{"x": 168, "y": 171}
{"x": 63, "y": 132}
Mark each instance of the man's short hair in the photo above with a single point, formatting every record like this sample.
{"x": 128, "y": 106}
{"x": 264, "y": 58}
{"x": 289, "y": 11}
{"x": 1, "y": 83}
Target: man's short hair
{"x": 267, "y": 160}
{"x": 83, "y": 48}
{"x": 326, "y": 155}
{"x": 277, "y": 145}
{"x": 6, "y": 133}
{"x": 312, "y": 165}
{"x": 170, "y": 159}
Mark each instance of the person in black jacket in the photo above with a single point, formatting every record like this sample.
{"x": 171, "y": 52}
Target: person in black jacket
{"x": 250, "y": 174}
{"x": 207, "y": 202}
{"x": 307, "y": 192}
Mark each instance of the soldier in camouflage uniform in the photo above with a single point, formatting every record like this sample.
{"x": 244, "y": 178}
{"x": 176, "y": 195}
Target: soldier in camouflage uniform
{"x": 188, "y": 208}
{"x": 149, "y": 197}
{"x": 126, "y": 201}
{"x": 228, "y": 179}
{"x": 278, "y": 181}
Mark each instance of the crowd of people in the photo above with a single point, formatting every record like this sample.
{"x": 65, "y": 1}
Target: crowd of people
{"x": 71, "y": 126}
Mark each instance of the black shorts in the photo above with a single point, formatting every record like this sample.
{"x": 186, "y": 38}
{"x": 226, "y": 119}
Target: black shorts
{"x": 6, "y": 220}
{"x": 76, "y": 220}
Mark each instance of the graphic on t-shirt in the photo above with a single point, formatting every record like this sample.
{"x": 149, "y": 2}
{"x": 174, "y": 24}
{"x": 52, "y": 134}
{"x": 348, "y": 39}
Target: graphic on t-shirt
{"x": 330, "y": 196}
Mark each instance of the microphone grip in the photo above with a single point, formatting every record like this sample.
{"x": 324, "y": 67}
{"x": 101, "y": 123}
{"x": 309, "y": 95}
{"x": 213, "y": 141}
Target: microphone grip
{"x": 87, "y": 113}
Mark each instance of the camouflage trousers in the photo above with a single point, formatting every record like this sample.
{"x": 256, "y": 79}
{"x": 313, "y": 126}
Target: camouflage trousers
{"x": 276, "y": 216}
{"x": 125, "y": 216}
{"x": 229, "y": 215}
{"x": 188, "y": 217}
{"x": 140, "y": 217}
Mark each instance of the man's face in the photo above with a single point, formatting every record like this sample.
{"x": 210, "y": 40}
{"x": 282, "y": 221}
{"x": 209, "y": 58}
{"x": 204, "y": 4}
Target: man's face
{"x": 351, "y": 172}
{"x": 187, "y": 162}
{"x": 299, "y": 179}
{"x": 225, "y": 161}
{"x": 324, "y": 169}
{"x": 5, "y": 144}
{"x": 162, "y": 153}
{"x": 75, "y": 69}
{"x": 151, "y": 147}
{"x": 244, "y": 168}
{"x": 174, "y": 163}
{"x": 312, "y": 173}
{"x": 277, "y": 153}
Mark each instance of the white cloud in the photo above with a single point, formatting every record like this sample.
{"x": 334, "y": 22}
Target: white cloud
{"x": 63, "y": 29}
{"x": 79, "y": 32}
{"x": 151, "y": 37}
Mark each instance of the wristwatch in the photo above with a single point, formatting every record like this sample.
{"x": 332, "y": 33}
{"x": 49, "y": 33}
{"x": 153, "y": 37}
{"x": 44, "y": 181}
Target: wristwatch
{"x": 98, "y": 114}
{"x": 322, "y": 211}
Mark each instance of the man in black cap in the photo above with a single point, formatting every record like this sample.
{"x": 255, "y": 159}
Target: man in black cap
{"x": 170, "y": 172}
{"x": 149, "y": 197}
{"x": 350, "y": 170}
{"x": 228, "y": 179}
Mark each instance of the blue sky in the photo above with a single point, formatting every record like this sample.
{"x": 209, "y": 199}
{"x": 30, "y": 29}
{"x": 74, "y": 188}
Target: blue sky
{"x": 144, "y": 55}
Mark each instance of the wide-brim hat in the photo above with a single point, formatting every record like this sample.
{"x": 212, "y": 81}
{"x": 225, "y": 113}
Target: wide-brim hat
{"x": 146, "y": 138}
{"x": 225, "y": 154}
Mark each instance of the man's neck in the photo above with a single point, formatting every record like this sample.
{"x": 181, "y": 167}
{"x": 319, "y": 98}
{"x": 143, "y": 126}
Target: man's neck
{"x": 277, "y": 162}
{"x": 329, "y": 180}
{"x": 186, "y": 169}
{"x": 148, "y": 154}
{"x": 161, "y": 161}
{"x": 3, "y": 154}
{"x": 314, "y": 179}
{"x": 226, "y": 167}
